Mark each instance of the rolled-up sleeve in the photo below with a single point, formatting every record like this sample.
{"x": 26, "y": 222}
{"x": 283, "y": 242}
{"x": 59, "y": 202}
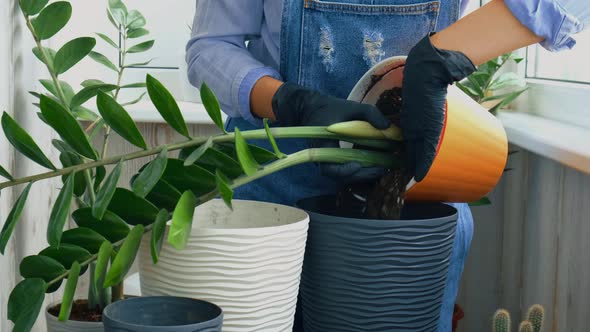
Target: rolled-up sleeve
{"x": 217, "y": 53}
{"x": 554, "y": 20}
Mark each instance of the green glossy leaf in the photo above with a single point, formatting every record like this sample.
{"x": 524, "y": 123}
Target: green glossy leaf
{"x": 112, "y": 20}
{"x": 102, "y": 263}
{"x": 116, "y": 117}
{"x": 106, "y": 192}
{"x": 134, "y": 85}
{"x": 23, "y": 143}
{"x": 91, "y": 82}
{"x": 46, "y": 268}
{"x": 99, "y": 175}
{"x": 50, "y": 53}
{"x": 135, "y": 20}
{"x": 67, "y": 254}
{"x": 66, "y": 88}
{"x": 261, "y": 155}
{"x": 137, "y": 33}
{"x": 111, "y": 226}
{"x": 118, "y": 11}
{"x": 192, "y": 177}
{"x": 69, "y": 292}
{"x": 476, "y": 86}
{"x": 164, "y": 195}
{"x": 214, "y": 159}
{"x": 467, "y": 89}
{"x": 506, "y": 101}
{"x": 69, "y": 159}
{"x": 224, "y": 187}
{"x": 107, "y": 39}
{"x": 25, "y": 302}
{"x": 139, "y": 64}
{"x": 84, "y": 237}
{"x": 52, "y": 19}
{"x": 143, "y": 212}
{"x": 135, "y": 101}
{"x": 483, "y": 201}
{"x": 125, "y": 257}
{"x": 67, "y": 127}
{"x": 166, "y": 105}
{"x": 4, "y": 173}
{"x": 103, "y": 60}
{"x": 32, "y": 7}
{"x": 60, "y": 212}
{"x": 88, "y": 92}
{"x": 141, "y": 47}
{"x": 83, "y": 113}
{"x": 272, "y": 141}
{"x": 73, "y": 52}
{"x": 198, "y": 153}
{"x": 157, "y": 238}
{"x": 245, "y": 157}
{"x": 13, "y": 218}
{"x": 212, "y": 106}
{"x": 507, "y": 80}
{"x": 148, "y": 178}
{"x": 182, "y": 220}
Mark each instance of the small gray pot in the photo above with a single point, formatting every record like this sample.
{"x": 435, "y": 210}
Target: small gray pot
{"x": 54, "y": 325}
{"x": 375, "y": 275}
{"x": 162, "y": 313}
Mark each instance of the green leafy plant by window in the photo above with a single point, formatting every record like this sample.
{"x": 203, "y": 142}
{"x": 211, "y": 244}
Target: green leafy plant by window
{"x": 489, "y": 85}
{"x": 105, "y": 240}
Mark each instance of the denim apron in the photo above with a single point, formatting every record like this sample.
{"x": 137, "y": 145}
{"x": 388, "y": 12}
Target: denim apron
{"x": 328, "y": 46}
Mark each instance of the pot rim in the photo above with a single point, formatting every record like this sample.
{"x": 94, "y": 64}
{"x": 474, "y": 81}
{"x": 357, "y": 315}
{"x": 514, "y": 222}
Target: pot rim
{"x": 218, "y": 319}
{"x": 49, "y": 315}
{"x": 303, "y": 219}
{"x": 452, "y": 214}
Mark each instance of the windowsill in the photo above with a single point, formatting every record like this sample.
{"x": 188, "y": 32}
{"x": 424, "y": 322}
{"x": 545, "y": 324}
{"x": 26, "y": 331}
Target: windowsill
{"x": 565, "y": 143}
{"x": 193, "y": 113}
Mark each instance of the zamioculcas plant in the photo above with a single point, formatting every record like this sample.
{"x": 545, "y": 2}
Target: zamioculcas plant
{"x": 106, "y": 238}
{"x": 487, "y": 86}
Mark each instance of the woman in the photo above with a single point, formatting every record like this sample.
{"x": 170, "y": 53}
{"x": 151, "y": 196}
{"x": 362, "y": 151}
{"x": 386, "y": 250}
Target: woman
{"x": 246, "y": 50}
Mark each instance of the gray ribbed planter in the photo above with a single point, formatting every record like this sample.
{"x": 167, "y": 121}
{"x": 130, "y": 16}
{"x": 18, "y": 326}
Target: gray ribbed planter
{"x": 54, "y": 325}
{"x": 375, "y": 275}
{"x": 162, "y": 314}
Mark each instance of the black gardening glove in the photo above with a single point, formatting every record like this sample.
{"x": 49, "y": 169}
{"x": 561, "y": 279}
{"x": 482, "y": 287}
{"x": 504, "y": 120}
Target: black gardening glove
{"x": 427, "y": 74}
{"x": 294, "y": 105}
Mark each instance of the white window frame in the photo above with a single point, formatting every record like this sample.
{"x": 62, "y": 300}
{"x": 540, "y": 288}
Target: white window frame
{"x": 554, "y": 99}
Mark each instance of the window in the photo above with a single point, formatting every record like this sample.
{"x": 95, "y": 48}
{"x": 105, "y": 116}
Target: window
{"x": 559, "y": 83}
{"x": 571, "y": 65}
{"x": 169, "y": 23}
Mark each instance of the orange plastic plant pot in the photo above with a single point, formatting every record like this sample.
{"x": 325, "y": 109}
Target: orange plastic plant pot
{"x": 472, "y": 150}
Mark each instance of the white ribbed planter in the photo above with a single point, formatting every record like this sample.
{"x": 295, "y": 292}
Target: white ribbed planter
{"x": 54, "y": 325}
{"x": 247, "y": 261}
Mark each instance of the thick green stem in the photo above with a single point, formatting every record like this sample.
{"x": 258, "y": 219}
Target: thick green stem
{"x": 293, "y": 132}
{"x": 117, "y": 293}
{"x": 333, "y": 155}
{"x": 107, "y": 133}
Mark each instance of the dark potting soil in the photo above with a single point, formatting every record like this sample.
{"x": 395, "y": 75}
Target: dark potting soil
{"x": 390, "y": 105}
{"x": 385, "y": 198}
{"x": 80, "y": 312}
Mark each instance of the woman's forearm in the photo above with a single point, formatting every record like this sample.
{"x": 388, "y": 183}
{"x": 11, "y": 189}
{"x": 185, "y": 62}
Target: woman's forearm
{"x": 261, "y": 97}
{"x": 486, "y": 33}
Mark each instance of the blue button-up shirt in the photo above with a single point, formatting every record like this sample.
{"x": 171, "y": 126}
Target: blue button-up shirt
{"x": 217, "y": 52}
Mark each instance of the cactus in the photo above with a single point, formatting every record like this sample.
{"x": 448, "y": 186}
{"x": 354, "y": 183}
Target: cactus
{"x": 525, "y": 326}
{"x": 535, "y": 315}
{"x": 501, "y": 322}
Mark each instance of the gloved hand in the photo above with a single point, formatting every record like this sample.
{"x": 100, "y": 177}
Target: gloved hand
{"x": 427, "y": 74}
{"x": 294, "y": 105}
